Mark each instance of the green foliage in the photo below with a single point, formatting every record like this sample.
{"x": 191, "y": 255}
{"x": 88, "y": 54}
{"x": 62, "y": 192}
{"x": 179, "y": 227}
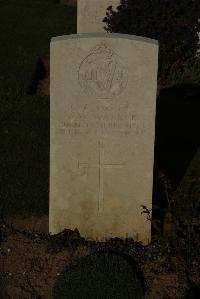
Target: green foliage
{"x": 173, "y": 23}
{"x": 189, "y": 73}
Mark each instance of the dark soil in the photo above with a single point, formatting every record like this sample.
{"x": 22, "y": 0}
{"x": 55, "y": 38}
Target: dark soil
{"x": 31, "y": 260}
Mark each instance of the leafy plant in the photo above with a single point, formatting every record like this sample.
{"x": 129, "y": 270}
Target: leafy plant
{"x": 174, "y": 24}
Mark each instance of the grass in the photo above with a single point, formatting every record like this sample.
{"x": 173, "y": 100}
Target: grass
{"x": 26, "y": 29}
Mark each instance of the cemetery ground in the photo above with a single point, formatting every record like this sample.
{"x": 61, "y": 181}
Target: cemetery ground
{"x": 31, "y": 259}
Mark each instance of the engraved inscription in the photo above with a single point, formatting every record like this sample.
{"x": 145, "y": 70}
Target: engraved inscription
{"x": 101, "y": 166}
{"x": 102, "y": 73}
{"x": 85, "y": 120}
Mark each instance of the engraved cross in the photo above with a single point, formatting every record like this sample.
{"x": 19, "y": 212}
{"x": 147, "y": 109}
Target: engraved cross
{"x": 101, "y": 166}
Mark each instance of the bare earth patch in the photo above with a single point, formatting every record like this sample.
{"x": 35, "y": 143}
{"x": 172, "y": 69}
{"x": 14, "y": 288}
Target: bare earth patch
{"x": 31, "y": 260}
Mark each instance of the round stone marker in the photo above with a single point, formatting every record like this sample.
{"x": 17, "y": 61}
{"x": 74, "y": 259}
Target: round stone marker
{"x": 100, "y": 275}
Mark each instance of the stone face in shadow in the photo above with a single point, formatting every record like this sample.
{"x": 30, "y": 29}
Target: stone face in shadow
{"x": 177, "y": 129}
{"x": 187, "y": 195}
{"x": 40, "y": 80}
{"x": 176, "y": 139}
{"x": 100, "y": 275}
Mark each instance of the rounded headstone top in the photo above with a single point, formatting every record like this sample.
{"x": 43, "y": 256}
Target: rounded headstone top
{"x": 105, "y": 35}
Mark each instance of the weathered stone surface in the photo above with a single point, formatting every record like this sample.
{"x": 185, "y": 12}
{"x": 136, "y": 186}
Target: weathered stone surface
{"x": 103, "y": 99}
{"x": 91, "y": 13}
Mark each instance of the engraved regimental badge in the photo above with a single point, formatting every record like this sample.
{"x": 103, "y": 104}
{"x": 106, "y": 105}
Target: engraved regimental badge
{"x": 102, "y": 73}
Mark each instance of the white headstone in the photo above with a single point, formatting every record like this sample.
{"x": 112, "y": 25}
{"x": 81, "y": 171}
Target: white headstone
{"x": 103, "y": 101}
{"x": 91, "y": 13}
